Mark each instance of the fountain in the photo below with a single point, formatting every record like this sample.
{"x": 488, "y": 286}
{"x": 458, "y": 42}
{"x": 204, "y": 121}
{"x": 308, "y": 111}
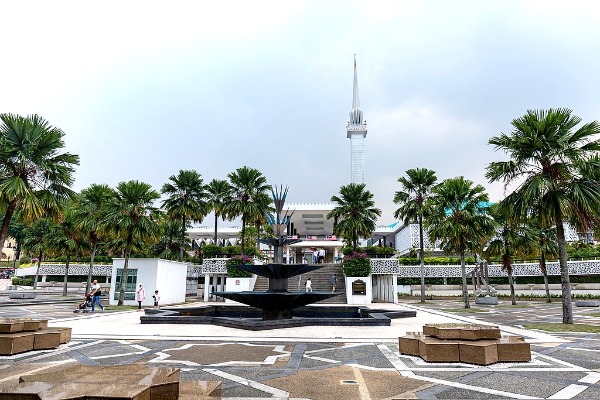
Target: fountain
{"x": 277, "y": 302}
{"x": 276, "y": 307}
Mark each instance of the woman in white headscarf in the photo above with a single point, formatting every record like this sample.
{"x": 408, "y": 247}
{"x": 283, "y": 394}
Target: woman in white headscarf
{"x": 140, "y": 295}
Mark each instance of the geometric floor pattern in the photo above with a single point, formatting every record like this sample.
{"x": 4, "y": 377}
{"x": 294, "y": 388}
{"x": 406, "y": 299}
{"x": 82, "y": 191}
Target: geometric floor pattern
{"x": 280, "y": 369}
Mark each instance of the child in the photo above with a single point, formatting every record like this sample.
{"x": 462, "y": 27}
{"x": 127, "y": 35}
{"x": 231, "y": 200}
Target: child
{"x": 82, "y": 307}
{"x": 308, "y": 285}
{"x": 156, "y": 298}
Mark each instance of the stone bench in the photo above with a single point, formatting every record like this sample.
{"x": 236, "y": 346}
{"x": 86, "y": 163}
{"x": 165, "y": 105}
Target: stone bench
{"x": 469, "y": 343}
{"x": 21, "y": 295}
{"x": 18, "y": 335}
{"x": 126, "y": 382}
{"x": 587, "y": 303}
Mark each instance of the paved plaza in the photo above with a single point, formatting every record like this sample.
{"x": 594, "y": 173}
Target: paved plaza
{"x": 315, "y": 362}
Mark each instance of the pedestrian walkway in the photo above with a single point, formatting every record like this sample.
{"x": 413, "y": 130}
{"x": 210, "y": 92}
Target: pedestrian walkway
{"x": 323, "y": 363}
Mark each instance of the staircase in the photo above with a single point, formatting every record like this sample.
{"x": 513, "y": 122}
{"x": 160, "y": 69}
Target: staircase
{"x": 321, "y": 282}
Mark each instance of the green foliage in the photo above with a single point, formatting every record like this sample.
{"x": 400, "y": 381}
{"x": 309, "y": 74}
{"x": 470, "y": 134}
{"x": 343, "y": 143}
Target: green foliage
{"x": 234, "y": 262}
{"x": 435, "y": 260}
{"x": 214, "y": 251}
{"x": 22, "y": 281}
{"x": 356, "y": 264}
{"x": 370, "y": 251}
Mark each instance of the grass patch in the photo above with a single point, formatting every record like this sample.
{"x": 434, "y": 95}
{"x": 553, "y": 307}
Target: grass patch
{"x": 465, "y": 310}
{"x": 557, "y": 327}
{"x": 515, "y": 306}
{"x": 120, "y": 308}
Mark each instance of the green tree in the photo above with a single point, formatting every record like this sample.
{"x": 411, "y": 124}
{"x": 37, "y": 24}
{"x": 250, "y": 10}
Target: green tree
{"x": 35, "y": 175}
{"x": 64, "y": 238}
{"x": 248, "y": 188}
{"x": 218, "y": 196}
{"x": 131, "y": 215}
{"x": 89, "y": 216}
{"x": 354, "y": 212}
{"x": 187, "y": 200}
{"x": 36, "y": 241}
{"x": 458, "y": 219}
{"x": 412, "y": 198}
{"x": 546, "y": 246}
{"x": 512, "y": 237}
{"x": 555, "y": 168}
{"x": 169, "y": 243}
{"x": 16, "y": 230}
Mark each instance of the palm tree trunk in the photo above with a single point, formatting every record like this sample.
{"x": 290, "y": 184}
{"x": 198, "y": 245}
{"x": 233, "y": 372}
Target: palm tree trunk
{"x": 125, "y": 270}
{"x": 10, "y": 210}
{"x": 463, "y": 270}
{"x": 243, "y": 233}
{"x": 216, "y": 237}
{"x": 66, "y": 274}
{"x": 181, "y": 244}
{"x": 37, "y": 270}
{"x": 511, "y": 283}
{"x": 564, "y": 273}
{"x": 545, "y": 273}
{"x": 422, "y": 251}
{"x": 88, "y": 283}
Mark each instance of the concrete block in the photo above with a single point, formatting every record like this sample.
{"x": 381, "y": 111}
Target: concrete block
{"x": 587, "y": 303}
{"x": 44, "y": 340}
{"x": 30, "y": 324}
{"x": 436, "y": 350}
{"x": 207, "y": 390}
{"x": 481, "y": 352}
{"x": 65, "y": 333}
{"x": 513, "y": 349}
{"x": 10, "y": 326}
{"x": 14, "y": 343}
{"x": 21, "y": 295}
{"x": 486, "y": 300}
{"x": 409, "y": 344}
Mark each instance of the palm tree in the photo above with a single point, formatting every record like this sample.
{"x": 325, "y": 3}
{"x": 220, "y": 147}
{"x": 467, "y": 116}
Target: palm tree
{"x": 64, "y": 238}
{"x": 35, "y": 175}
{"x": 89, "y": 216}
{"x": 36, "y": 241}
{"x": 512, "y": 237}
{"x": 169, "y": 243}
{"x": 555, "y": 167}
{"x": 131, "y": 215}
{"x": 546, "y": 246}
{"x": 354, "y": 212}
{"x": 458, "y": 219}
{"x": 218, "y": 196}
{"x": 416, "y": 189}
{"x": 186, "y": 201}
{"x": 248, "y": 186}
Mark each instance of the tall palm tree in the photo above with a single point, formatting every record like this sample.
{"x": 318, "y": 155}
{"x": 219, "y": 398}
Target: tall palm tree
{"x": 35, "y": 175}
{"x": 64, "y": 238}
{"x": 512, "y": 237}
{"x": 169, "y": 243}
{"x": 555, "y": 167}
{"x": 218, "y": 196}
{"x": 412, "y": 198}
{"x": 187, "y": 200}
{"x": 458, "y": 219}
{"x": 264, "y": 202}
{"x": 89, "y": 215}
{"x": 354, "y": 212}
{"x": 36, "y": 241}
{"x": 248, "y": 186}
{"x": 131, "y": 215}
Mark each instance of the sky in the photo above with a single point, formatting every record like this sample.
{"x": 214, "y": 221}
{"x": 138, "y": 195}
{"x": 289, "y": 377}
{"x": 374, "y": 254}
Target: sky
{"x": 143, "y": 89}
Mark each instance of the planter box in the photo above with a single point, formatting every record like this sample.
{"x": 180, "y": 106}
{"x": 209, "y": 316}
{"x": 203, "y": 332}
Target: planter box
{"x": 486, "y": 300}
{"x": 587, "y": 303}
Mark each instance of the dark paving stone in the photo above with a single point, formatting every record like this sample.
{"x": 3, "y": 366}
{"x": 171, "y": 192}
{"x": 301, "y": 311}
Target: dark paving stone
{"x": 455, "y": 394}
{"x": 529, "y": 385}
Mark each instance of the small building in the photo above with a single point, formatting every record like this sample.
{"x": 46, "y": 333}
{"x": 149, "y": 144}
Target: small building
{"x": 168, "y": 277}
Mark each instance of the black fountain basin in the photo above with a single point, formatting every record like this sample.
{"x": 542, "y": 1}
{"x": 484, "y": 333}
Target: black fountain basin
{"x": 250, "y": 318}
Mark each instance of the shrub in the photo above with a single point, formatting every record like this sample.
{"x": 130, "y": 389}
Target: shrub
{"x": 356, "y": 264}
{"x": 236, "y": 261}
{"x": 22, "y": 281}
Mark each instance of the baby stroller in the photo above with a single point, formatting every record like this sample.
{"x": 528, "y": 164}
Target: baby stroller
{"x": 84, "y": 305}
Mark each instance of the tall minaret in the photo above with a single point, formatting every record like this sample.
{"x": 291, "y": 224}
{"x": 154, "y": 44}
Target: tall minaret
{"x": 357, "y": 131}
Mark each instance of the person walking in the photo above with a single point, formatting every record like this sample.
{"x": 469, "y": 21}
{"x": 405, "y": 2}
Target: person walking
{"x": 333, "y": 282}
{"x": 321, "y": 255}
{"x": 140, "y": 295}
{"x": 156, "y": 298}
{"x": 315, "y": 256}
{"x": 308, "y": 285}
{"x": 96, "y": 292}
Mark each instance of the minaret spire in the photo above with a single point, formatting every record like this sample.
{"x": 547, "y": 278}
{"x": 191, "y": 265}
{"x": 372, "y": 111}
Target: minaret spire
{"x": 356, "y": 132}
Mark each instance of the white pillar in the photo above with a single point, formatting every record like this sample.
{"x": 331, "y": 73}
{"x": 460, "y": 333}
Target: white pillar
{"x": 206, "y": 287}
{"x": 395, "y": 286}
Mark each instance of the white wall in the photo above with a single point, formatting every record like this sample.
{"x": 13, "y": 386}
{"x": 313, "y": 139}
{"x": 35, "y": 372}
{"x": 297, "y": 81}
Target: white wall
{"x": 168, "y": 277}
{"x": 355, "y": 299}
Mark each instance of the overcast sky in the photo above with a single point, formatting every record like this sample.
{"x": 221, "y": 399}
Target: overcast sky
{"x": 143, "y": 89}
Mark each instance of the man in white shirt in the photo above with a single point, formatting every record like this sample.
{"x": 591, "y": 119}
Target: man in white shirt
{"x": 96, "y": 292}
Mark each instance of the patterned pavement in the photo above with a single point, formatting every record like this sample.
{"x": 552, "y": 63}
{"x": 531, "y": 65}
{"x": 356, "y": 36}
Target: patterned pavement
{"x": 320, "y": 363}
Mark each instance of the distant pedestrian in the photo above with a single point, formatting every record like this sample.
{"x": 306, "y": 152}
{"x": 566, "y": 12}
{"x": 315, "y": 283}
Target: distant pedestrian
{"x": 333, "y": 282}
{"x": 140, "y": 295}
{"x": 321, "y": 255}
{"x": 308, "y": 285}
{"x": 315, "y": 256}
{"x": 96, "y": 292}
{"x": 156, "y": 298}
